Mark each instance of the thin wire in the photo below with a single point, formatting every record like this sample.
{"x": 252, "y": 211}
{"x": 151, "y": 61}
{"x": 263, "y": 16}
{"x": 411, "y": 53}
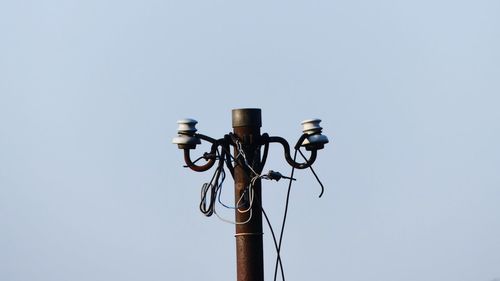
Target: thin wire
{"x": 238, "y": 201}
{"x": 205, "y": 156}
{"x": 249, "y": 209}
{"x": 234, "y": 222}
{"x": 250, "y": 195}
{"x": 249, "y": 190}
{"x": 227, "y": 153}
{"x": 252, "y": 181}
{"x": 214, "y": 186}
{"x": 247, "y": 196}
{"x": 242, "y": 153}
{"x": 275, "y": 243}
{"x": 315, "y": 175}
{"x": 222, "y": 203}
{"x": 284, "y": 217}
{"x": 204, "y": 191}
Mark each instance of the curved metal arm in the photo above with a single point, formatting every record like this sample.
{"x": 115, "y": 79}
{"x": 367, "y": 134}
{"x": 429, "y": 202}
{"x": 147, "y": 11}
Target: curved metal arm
{"x": 194, "y": 167}
{"x": 206, "y": 138}
{"x": 223, "y": 143}
{"x": 288, "y": 158}
{"x": 266, "y": 139}
{"x": 210, "y": 161}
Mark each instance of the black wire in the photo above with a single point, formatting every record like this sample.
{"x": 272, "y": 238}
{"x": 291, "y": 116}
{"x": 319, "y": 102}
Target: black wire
{"x": 275, "y": 243}
{"x": 204, "y": 191}
{"x": 264, "y": 157}
{"x": 315, "y": 175}
{"x": 213, "y": 186}
{"x": 284, "y": 216}
{"x": 230, "y": 159}
{"x": 205, "y": 156}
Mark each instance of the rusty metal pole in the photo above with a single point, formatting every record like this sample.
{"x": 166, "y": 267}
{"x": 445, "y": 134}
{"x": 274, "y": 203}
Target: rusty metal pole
{"x": 249, "y": 248}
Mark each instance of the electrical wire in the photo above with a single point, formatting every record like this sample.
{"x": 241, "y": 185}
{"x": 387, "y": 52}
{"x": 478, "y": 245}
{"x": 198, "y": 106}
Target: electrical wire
{"x": 213, "y": 186}
{"x": 235, "y": 222}
{"x": 254, "y": 173}
{"x": 246, "y": 198}
{"x": 241, "y": 152}
{"x": 275, "y": 243}
{"x": 315, "y": 175}
{"x": 250, "y": 196}
{"x": 278, "y": 258}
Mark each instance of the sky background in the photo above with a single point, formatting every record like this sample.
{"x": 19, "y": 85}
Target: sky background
{"x": 91, "y": 187}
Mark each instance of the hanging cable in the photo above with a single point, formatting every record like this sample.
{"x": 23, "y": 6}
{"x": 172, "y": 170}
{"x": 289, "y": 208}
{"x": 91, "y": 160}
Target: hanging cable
{"x": 235, "y": 222}
{"x": 208, "y": 208}
{"x": 275, "y": 243}
{"x": 247, "y": 197}
{"x": 315, "y": 175}
{"x": 243, "y": 159}
{"x": 284, "y": 218}
{"x": 212, "y": 190}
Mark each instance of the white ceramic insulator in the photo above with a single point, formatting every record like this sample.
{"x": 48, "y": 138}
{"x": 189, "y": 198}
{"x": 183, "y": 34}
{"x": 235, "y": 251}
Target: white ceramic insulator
{"x": 311, "y": 126}
{"x": 187, "y": 126}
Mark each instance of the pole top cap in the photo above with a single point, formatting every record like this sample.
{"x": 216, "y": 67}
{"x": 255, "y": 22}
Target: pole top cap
{"x": 247, "y": 117}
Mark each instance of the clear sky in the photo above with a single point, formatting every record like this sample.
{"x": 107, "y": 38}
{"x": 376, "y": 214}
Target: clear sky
{"x": 91, "y": 187}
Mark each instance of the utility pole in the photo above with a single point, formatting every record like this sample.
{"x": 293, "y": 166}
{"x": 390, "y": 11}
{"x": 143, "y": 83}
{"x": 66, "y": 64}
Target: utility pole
{"x": 249, "y": 249}
{"x": 245, "y": 166}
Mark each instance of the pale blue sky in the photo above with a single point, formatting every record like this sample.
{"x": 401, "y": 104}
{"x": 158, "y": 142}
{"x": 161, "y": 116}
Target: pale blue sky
{"x": 92, "y": 189}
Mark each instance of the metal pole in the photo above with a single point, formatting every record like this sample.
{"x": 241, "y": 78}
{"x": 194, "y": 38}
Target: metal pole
{"x": 249, "y": 248}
